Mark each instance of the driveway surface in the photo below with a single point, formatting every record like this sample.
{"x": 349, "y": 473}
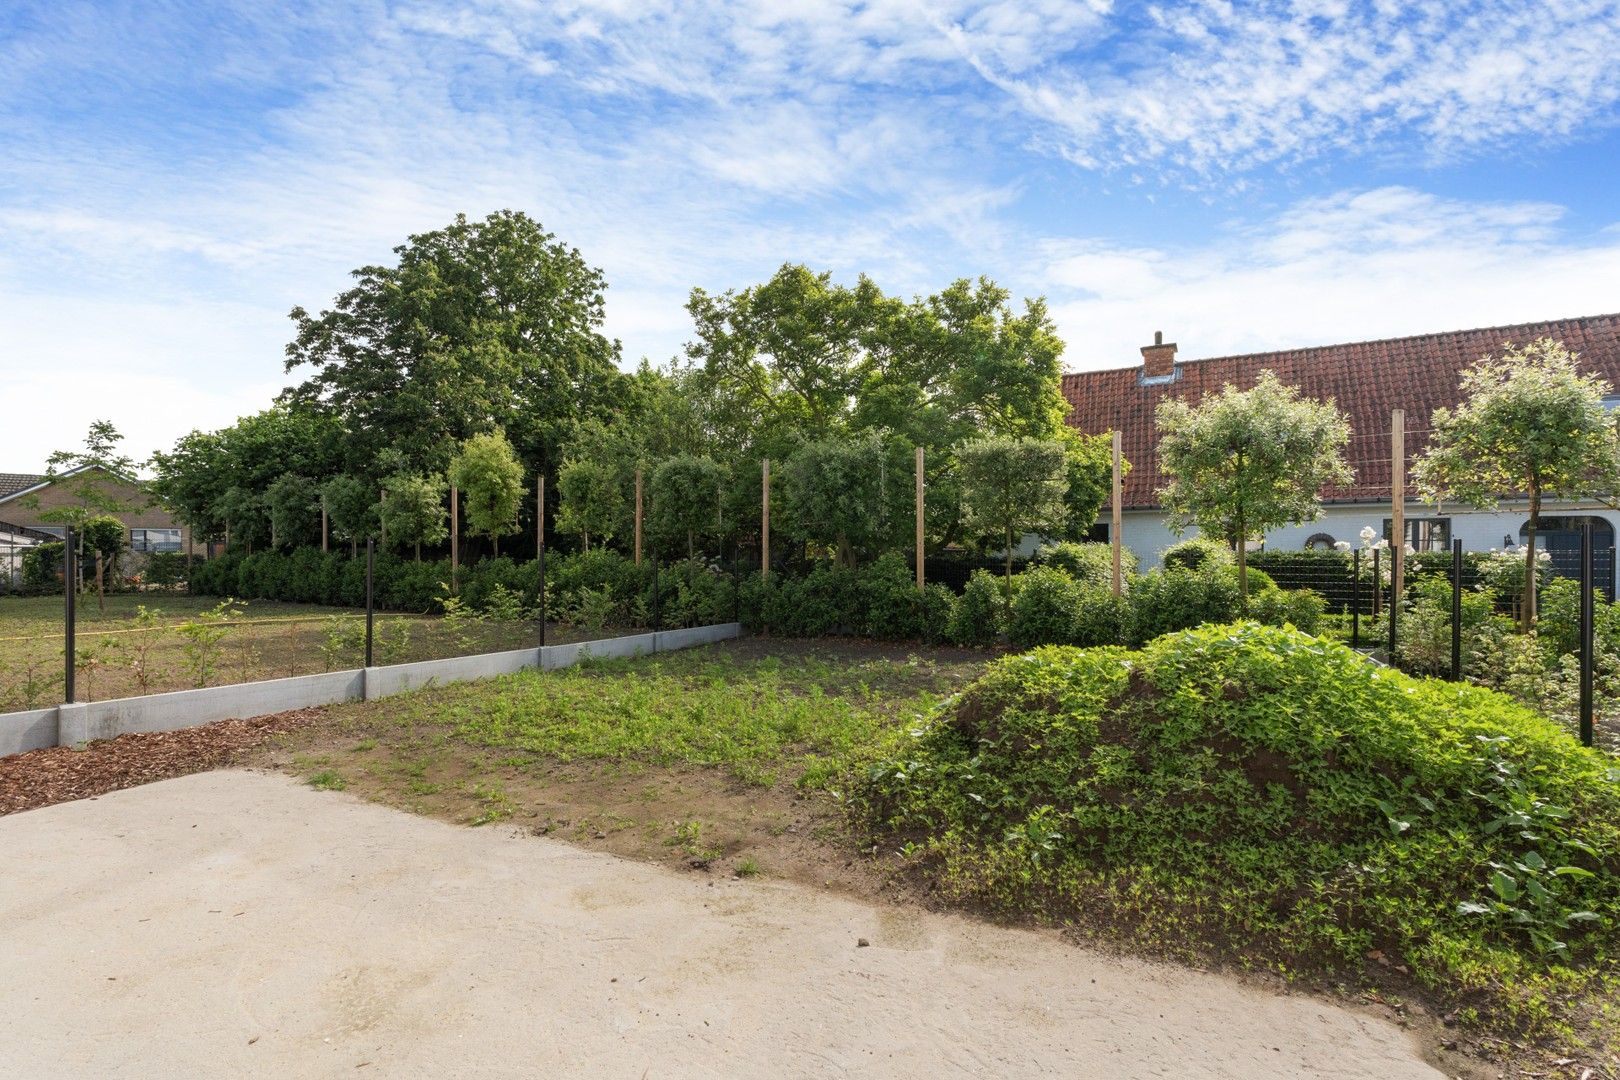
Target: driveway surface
{"x": 235, "y": 923}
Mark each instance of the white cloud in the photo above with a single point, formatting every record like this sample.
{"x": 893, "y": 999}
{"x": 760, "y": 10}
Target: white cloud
{"x": 1349, "y": 267}
{"x": 1219, "y": 86}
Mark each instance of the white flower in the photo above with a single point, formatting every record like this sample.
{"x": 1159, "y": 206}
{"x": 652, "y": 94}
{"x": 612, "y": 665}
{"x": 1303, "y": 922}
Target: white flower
{"x": 1341, "y": 545}
{"x": 1367, "y": 534}
{"x": 1410, "y": 550}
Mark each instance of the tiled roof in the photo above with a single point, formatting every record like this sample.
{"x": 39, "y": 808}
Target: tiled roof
{"x": 1367, "y": 379}
{"x": 12, "y": 482}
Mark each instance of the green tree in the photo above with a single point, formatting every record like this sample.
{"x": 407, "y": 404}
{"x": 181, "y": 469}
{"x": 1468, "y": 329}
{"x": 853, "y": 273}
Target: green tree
{"x": 684, "y": 495}
{"x": 1245, "y": 461}
{"x": 293, "y": 504}
{"x": 413, "y": 511}
{"x": 590, "y": 500}
{"x": 1011, "y": 487}
{"x": 1529, "y": 424}
{"x": 88, "y": 477}
{"x": 490, "y": 477}
{"x": 481, "y": 323}
{"x": 351, "y": 509}
{"x": 835, "y": 496}
{"x": 1089, "y": 467}
{"x": 103, "y": 535}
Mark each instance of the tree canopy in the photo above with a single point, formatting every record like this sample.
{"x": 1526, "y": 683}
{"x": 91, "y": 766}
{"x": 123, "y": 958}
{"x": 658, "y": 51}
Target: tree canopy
{"x": 1014, "y": 486}
{"x": 1530, "y": 424}
{"x": 490, "y": 478}
{"x": 1244, "y": 461}
{"x": 478, "y": 324}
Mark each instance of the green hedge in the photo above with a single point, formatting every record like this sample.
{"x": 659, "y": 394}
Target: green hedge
{"x": 1330, "y": 572}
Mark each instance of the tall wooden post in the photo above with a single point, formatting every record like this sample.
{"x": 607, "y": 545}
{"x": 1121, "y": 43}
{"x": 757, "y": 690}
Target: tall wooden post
{"x": 323, "y": 526}
{"x": 455, "y": 539}
{"x": 539, "y": 513}
{"x": 1116, "y": 524}
{"x": 919, "y": 519}
{"x": 765, "y": 521}
{"x": 638, "y": 515}
{"x": 1397, "y": 507}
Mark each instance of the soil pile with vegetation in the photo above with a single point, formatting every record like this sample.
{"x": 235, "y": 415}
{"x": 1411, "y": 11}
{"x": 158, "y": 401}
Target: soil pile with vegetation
{"x": 1272, "y": 797}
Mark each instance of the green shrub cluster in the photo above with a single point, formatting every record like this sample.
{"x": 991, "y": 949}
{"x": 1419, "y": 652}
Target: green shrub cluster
{"x": 1248, "y": 789}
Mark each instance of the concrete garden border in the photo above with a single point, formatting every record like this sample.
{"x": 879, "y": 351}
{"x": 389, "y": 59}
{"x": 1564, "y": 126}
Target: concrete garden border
{"x": 71, "y": 725}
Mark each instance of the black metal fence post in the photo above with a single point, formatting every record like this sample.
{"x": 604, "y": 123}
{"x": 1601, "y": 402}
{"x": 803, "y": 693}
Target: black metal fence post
{"x": 1587, "y": 652}
{"x": 1456, "y": 609}
{"x": 1378, "y": 581}
{"x": 657, "y": 612}
{"x": 1355, "y": 600}
{"x": 70, "y": 579}
{"x": 371, "y": 558}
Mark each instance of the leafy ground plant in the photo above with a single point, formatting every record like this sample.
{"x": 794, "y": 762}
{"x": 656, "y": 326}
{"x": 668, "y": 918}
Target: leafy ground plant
{"x": 1256, "y": 793}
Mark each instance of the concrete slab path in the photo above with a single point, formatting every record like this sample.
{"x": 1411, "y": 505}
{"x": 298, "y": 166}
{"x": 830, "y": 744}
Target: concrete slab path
{"x": 235, "y": 923}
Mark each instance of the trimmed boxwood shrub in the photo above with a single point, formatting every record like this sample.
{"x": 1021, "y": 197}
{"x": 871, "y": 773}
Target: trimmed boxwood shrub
{"x": 1196, "y": 553}
{"x": 980, "y": 613}
{"x": 1090, "y": 564}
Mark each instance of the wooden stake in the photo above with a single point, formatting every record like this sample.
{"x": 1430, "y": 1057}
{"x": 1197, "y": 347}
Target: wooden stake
{"x": 323, "y": 525}
{"x": 455, "y": 538}
{"x": 919, "y": 519}
{"x": 765, "y": 521}
{"x": 1117, "y": 524}
{"x": 638, "y": 515}
{"x": 1397, "y": 504}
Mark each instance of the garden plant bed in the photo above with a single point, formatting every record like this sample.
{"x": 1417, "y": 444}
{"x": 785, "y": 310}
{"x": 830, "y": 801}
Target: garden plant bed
{"x": 124, "y": 654}
{"x": 738, "y": 761}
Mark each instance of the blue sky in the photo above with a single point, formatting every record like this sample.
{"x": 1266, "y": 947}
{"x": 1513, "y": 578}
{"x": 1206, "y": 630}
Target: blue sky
{"x": 175, "y": 177}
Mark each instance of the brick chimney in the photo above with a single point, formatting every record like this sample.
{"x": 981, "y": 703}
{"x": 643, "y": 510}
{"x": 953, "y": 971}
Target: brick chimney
{"x": 1158, "y": 359}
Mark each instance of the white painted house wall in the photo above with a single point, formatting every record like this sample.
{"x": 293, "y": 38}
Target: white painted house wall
{"x": 1146, "y": 533}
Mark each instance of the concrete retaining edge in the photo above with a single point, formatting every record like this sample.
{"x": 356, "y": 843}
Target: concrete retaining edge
{"x": 72, "y": 725}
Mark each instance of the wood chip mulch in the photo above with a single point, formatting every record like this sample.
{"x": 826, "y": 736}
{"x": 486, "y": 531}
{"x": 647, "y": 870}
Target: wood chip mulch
{"x": 60, "y": 773}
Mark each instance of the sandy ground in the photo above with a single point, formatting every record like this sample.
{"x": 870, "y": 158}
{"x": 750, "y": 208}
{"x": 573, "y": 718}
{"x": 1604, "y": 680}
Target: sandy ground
{"x": 235, "y": 923}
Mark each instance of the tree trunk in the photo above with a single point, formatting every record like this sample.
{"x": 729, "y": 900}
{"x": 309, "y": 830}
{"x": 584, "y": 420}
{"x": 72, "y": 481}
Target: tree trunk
{"x": 1243, "y": 567}
{"x": 691, "y": 549}
{"x": 1527, "y": 609}
{"x": 354, "y": 547}
{"x": 495, "y": 546}
{"x": 419, "y": 551}
{"x": 587, "y": 535}
{"x": 1007, "y": 584}
{"x": 101, "y": 590}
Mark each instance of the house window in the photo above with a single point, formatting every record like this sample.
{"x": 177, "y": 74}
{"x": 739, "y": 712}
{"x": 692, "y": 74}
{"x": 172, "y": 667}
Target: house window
{"x": 1424, "y": 534}
{"x": 154, "y": 539}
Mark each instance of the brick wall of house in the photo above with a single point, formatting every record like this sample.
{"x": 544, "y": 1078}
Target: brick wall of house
{"x": 55, "y": 496}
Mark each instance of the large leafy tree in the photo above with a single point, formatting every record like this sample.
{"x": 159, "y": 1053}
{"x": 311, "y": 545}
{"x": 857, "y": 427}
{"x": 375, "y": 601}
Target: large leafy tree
{"x": 196, "y": 479}
{"x": 481, "y": 323}
{"x": 351, "y": 509}
{"x": 293, "y": 503}
{"x": 684, "y": 501}
{"x": 836, "y": 492}
{"x": 490, "y": 477}
{"x": 1245, "y": 461}
{"x": 1530, "y": 424}
{"x": 1014, "y": 486}
{"x": 413, "y": 511}
{"x": 590, "y": 500}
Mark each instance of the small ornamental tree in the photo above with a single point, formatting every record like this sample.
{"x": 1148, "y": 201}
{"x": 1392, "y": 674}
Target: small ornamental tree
{"x": 684, "y": 500}
{"x": 1089, "y": 467}
{"x": 103, "y": 535}
{"x": 834, "y": 493}
{"x": 351, "y": 509}
{"x": 1530, "y": 424}
{"x": 413, "y": 511}
{"x": 1011, "y": 487}
{"x": 294, "y": 505}
{"x": 490, "y": 476}
{"x": 1245, "y": 461}
{"x": 590, "y": 500}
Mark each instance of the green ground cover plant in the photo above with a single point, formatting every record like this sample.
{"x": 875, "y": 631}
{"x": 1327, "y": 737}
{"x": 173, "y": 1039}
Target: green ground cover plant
{"x": 1260, "y": 794}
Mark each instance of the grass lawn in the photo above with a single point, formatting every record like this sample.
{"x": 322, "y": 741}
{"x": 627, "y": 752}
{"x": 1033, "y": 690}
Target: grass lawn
{"x": 730, "y": 755}
{"x": 177, "y": 642}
